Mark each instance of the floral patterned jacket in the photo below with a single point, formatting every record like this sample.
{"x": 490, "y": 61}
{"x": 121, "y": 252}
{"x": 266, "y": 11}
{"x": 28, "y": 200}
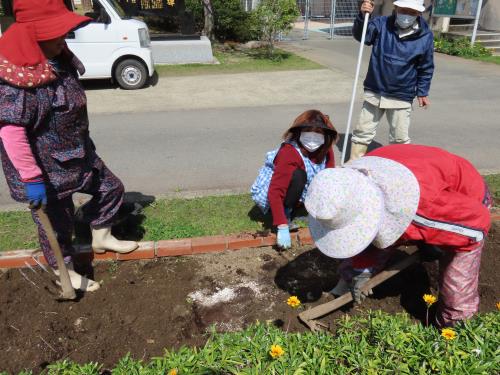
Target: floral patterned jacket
{"x": 51, "y": 104}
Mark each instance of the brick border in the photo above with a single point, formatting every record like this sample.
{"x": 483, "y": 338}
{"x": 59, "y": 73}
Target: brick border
{"x": 184, "y": 246}
{"x": 151, "y": 250}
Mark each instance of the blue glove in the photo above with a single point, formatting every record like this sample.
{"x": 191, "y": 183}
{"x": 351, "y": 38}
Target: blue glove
{"x": 283, "y": 239}
{"x": 36, "y": 193}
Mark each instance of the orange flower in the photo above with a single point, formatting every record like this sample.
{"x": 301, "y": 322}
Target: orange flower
{"x": 448, "y": 334}
{"x": 276, "y": 351}
{"x": 429, "y": 299}
{"x": 172, "y": 372}
{"x": 293, "y": 302}
{"x": 498, "y": 305}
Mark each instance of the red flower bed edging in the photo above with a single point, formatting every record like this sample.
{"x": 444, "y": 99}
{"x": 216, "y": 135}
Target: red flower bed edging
{"x": 151, "y": 250}
{"x": 184, "y": 246}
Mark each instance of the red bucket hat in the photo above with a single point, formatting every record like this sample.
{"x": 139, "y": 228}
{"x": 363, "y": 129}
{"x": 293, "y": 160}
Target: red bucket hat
{"x": 36, "y": 21}
{"x": 50, "y": 18}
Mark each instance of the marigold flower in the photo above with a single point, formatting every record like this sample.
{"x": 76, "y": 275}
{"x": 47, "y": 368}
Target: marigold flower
{"x": 498, "y": 305}
{"x": 429, "y": 299}
{"x": 172, "y": 372}
{"x": 276, "y": 351}
{"x": 293, "y": 301}
{"x": 448, "y": 334}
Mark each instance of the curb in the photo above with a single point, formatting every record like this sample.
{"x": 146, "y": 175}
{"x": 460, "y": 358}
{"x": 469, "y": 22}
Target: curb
{"x": 165, "y": 248}
{"x": 158, "y": 249}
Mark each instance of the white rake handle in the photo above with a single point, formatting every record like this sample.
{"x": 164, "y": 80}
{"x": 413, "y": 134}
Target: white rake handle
{"x": 354, "y": 88}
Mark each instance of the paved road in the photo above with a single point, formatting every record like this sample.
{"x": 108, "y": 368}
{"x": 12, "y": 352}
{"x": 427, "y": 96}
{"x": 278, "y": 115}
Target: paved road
{"x": 216, "y": 138}
{"x": 465, "y": 113}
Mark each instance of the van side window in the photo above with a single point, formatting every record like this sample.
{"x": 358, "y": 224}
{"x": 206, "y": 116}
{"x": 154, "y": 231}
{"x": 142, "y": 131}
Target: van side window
{"x": 98, "y": 13}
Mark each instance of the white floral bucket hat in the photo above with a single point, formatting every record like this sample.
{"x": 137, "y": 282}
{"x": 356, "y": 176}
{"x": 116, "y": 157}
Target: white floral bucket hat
{"x": 370, "y": 200}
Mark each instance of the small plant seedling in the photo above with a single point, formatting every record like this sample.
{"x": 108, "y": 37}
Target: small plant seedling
{"x": 113, "y": 268}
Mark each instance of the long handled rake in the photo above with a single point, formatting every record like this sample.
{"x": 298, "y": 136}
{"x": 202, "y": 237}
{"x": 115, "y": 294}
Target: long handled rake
{"x": 308, "y": 317}
{"x": 354, "y": 88}
{"x": 68, "y": 293}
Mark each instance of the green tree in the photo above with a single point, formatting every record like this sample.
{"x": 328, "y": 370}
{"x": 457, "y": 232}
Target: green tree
{"x": 223, "y": 20}
{"x": 273, "y": 17}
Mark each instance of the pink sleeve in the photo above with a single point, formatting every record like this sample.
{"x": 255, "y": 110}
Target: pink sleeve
{"x": 19, "y": 151}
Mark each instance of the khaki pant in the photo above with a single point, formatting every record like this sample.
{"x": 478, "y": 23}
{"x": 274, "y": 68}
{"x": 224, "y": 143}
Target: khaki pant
{"x": 398, "y": 118}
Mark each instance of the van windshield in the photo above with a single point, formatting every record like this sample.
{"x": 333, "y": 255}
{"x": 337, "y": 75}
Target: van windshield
{"x": 118, "y": 9}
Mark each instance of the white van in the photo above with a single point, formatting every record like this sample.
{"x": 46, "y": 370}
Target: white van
{"x": 113, "y": 46}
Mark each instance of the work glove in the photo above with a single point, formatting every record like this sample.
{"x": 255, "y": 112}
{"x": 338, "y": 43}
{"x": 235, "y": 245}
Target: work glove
{"x": 284, "y": 240}
{"x": 357, "y": 282}
{"x": 36, "y": 193}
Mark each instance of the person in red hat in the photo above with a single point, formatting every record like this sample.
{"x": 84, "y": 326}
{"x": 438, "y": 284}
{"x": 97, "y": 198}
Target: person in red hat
{"x": 46, "y": 151}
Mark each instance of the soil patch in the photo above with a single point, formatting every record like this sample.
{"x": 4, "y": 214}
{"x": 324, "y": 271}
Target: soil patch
{"x": 145, "y": 307}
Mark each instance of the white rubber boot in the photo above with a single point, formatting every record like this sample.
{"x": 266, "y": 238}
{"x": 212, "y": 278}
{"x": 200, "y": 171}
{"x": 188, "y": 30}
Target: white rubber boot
{"x": 103, "y": 240}
{"x": 80, "y": 282}
{"x": 341, "y": 288}
{"x": 357, "y": 151}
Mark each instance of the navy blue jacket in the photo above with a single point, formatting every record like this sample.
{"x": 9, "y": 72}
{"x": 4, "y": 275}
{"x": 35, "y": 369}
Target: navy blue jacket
{"x": 401, "y": 68}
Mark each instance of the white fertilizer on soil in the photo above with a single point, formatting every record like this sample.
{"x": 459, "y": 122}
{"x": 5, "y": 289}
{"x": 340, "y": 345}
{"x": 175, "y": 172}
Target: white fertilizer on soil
{"x": 209, "y": 298}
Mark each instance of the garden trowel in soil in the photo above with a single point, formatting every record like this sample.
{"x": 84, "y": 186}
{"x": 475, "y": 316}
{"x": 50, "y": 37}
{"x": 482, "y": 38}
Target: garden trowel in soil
{"x": 308, "y": 317}
{"x": 68, "y": 292}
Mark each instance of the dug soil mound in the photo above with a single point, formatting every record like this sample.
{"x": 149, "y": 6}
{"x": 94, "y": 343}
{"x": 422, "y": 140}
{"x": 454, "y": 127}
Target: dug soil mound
{"x": 144, "y": 307}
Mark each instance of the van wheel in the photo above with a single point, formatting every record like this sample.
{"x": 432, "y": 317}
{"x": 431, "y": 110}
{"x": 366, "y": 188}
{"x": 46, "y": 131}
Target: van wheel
{"x": 131, "y": 74}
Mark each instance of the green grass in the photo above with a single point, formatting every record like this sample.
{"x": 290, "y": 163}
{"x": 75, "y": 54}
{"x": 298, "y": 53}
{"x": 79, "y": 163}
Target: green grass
{"x": 163, "y": 219}
{"x": 493, "y": 181}
{"x": 377, "y": 343}
{"x": 234, "y": 61}
{"x": 490, "y": 59}
{"x": 180, "y": 218}
{"x": 461, "y": 47}
{"x": 174, "y": 218}
{"x": 17, "y": 231}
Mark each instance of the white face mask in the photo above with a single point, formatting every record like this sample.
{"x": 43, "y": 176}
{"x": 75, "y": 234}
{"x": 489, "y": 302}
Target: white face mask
{"x": 405, "y": 21}
{"x": 311, "y": 140}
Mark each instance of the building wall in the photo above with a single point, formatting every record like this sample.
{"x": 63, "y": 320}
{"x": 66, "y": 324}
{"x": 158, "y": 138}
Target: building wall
{"x": 490, "y": 15}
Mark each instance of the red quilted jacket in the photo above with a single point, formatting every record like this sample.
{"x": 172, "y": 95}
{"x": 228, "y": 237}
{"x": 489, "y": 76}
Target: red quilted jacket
{"x": 454, "y": 199}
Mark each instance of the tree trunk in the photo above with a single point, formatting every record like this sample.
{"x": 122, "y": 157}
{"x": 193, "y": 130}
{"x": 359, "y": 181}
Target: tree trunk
{"x": 208, "y": 29}
{"x": 270, "y": 47}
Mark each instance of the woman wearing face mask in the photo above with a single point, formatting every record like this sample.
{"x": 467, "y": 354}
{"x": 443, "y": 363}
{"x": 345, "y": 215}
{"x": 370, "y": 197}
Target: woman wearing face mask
{"x": 288, "y": 170}
{"x": 401, "y": 68}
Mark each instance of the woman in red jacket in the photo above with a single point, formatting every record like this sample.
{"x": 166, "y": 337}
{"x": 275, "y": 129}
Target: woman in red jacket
{"x": 404, "y": 194}
{"x": 283, "y": 180}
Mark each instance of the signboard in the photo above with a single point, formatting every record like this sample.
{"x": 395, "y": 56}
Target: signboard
{"x": 444, "y": 8}
{"x": 455, "y": 8}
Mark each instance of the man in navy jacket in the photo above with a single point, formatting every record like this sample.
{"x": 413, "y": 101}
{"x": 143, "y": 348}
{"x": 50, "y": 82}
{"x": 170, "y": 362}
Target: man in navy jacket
{"x": 401, "y": 68}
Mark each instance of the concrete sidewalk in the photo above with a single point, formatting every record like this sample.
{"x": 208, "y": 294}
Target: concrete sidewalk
{"x": 226, "y": 91}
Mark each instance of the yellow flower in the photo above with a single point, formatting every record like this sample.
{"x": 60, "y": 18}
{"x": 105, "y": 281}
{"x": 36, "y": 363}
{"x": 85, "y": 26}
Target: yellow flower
{"x": 429, "y": 299}
{"x": 276, "y": 351}
{"x": 498, "y": 305}
{"x": 172, "y": 372}
{"x": 171, "y": 3}
{"x": 293, "y": 301}
{"x": 448, "y": 334}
